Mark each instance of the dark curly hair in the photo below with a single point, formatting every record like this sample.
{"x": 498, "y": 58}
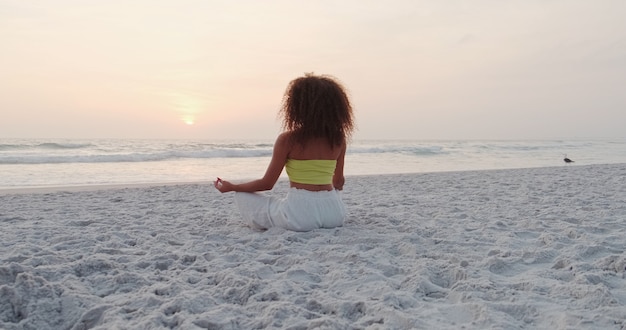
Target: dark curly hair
{"x": 317, "y": 106}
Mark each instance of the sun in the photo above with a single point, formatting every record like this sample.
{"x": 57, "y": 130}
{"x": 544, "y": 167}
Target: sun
{"x": 188, "y": 107}
{"x": 188, "y": 119}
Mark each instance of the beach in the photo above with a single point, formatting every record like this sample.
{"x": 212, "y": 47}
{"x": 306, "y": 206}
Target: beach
{"x": 534, "y": 248}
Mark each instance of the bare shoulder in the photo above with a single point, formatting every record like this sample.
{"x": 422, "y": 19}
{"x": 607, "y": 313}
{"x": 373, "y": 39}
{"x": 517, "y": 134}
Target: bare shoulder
{"x": 342, "y": 149}
{"x": 344, "y": 145}
{"x": 282, "y": 146}
{"x": 283, "y": 139}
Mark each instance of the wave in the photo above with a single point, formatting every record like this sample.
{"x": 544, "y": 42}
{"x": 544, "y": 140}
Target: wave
{"x": 47, "y": 146}
{"x": 405, "y": 150}
{"x": 134, "y": 157}
{"x": 52, "y": 145}
{"x": 129, "y": 151}
{"x": 209, "y": 152}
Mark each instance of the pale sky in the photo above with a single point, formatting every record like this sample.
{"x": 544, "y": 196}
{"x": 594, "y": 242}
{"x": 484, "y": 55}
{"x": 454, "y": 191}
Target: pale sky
{"x": 479, "y": 69}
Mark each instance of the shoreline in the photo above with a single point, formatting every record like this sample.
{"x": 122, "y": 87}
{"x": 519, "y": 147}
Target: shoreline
{"x": 91, "y": 187}
{"x": 115, "y": 186}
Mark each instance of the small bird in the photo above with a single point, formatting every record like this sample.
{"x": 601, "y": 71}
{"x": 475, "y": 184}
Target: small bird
{"x": 567, "y": 160}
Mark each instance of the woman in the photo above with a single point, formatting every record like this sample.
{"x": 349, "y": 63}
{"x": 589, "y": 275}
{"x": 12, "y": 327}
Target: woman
{"x": 317, "y": 122}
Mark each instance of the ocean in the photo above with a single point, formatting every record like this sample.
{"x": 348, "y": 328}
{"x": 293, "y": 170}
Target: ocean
{"x": 34, "y": 163}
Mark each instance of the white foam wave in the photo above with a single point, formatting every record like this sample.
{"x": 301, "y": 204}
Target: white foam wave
{"x": 133, "y": 157}
{"x": 46, "y": 145}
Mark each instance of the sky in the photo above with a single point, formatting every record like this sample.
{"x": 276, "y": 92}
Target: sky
{"x": 209, "y": 69}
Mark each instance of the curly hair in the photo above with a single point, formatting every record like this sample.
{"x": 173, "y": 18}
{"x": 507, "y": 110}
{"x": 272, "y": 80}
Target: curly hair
{"x": 317, "y": 106}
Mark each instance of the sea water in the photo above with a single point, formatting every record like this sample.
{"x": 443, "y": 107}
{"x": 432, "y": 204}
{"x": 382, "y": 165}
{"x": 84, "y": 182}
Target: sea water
{"x": 31, "y": 163}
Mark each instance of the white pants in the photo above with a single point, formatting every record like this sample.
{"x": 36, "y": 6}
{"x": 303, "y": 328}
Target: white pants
{"x": 301, "y": 210}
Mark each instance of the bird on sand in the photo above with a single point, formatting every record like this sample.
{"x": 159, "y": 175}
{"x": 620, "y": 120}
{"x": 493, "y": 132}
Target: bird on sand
{"x": 567, "y": 160}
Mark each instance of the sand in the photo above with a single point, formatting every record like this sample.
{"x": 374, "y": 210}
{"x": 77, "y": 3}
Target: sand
{"x": 535, "y": 248}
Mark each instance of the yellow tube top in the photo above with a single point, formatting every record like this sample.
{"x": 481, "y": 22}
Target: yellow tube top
{"x": 311, "y": 171}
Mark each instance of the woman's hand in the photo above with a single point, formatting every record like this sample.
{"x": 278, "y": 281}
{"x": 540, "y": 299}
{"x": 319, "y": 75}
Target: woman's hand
{"x": 223, "y": 186}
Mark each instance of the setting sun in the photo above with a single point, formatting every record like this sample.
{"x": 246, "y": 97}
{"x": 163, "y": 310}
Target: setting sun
{"x": 187, "y": 106}
{"x": 188, "y": 119}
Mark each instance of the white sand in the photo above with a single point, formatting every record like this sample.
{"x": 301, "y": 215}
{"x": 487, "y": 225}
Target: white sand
{"x": 511, "y": 249}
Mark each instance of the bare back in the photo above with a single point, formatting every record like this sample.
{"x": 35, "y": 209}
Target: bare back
{"x": 319, "y": 148}
{"x": 316, "y": 148}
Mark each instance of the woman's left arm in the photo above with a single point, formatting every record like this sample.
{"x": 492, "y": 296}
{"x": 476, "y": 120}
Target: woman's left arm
{"x": 274, "y": 169}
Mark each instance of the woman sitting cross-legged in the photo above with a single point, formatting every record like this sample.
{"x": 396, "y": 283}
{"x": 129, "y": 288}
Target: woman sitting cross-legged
{"x": 317, "y": 121}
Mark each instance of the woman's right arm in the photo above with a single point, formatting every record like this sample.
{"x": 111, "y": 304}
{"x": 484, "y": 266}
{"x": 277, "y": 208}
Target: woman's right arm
{"x": 338, "y": 177}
